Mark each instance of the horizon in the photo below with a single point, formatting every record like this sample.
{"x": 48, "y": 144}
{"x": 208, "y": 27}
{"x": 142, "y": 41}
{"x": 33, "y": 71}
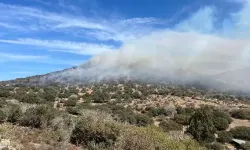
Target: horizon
{"x": 38, "y": 37}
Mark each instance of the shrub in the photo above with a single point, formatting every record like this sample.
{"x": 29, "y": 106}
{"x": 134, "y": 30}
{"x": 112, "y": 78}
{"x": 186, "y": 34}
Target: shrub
{"x": 241, "y": 114}
{"x": 224, "y": 136}
{"x": 152, "y": 138}
{"x": 49, "y": 94}
{"x": 222, "y": 114}
{"x": 182, "y": 119}
{"x": 4, "y": 93}
{"x": 2, "y": 116}
{"x": 14, "y": 114}
{"x": 143, "y": 120}
{"x": 220, "y": 123}
{"x": 31, "y": 98}
{"x": 170, "y": 125}
{"x": 215, "y": 146}
{"x": 38, "y": 117}
{"x": 246, "y": 146}
{"x": 241, "y": 132}
{"x": 73, "y": 110}
{"x": 153, "y": 111}
{"x": 70, "y": 102}
{"x": 99, "y": 132}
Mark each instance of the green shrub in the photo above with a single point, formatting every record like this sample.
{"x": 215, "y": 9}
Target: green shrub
{"x": 182, "y": 118}
{"x": 98, "y": 132}
{"x": 14, "y": 114}
{"x": 170, "y": 125}
{"x": 2, "y": 116}
{"x": 4, "y": 92}
{"x": 49, "y": 94}
{"x": 241, "y": 132}
{"x": 73, "y": 110}
{"x": 220, "y": 123}
{"x": 224, "y": 137}
{"x": 70, "y": 102}
{"x": 143, "y": 120}
{"x": 152, "y": 138}
{"x": 153, "y": 111}
{"x": 246, "y": 146}
{"x": 31, "y": 98}
{"x": 241, "y": 114}
{"x": 222, "y": 114}
{"x": 215, "y": 146}
{"x": 38, "y": 117}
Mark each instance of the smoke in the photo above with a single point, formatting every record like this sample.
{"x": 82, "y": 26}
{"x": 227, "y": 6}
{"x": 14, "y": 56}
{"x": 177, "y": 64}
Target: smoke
{"x": 192, "y": 48}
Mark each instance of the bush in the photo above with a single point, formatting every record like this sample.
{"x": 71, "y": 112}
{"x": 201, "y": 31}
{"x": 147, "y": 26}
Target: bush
{"x": 224, "y": 137}
{"x": 2, "y": 116}
{"x": 215, "y": 146}
{"x": 38, "y": 117}
{"x": 15, "y": 113}
{"x": 4, "y": 92}
{"x": 170, "y": 125}
{"x": 72, "y": 110}
{"x": 241, "y": 114}
{"x": 143, "y": 120}
{"x": 49, "y": 94}
{"x": 31, "y": 98}
{"x": 222, "y": 114}
{"x": 182, "y": 119}
{"x": 152, "y": 138}
{"x": 241, "y": 133}
{"x": 70, "y": 102}
{"x": 220, "y": 123}
{"x": 153, "y": 111}
{"x": 246, "y": 146}
{"x": 99, "y": 132}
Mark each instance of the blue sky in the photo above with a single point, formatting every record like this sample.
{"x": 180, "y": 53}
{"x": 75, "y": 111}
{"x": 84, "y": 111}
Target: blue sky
{"x": 40, "y": 36}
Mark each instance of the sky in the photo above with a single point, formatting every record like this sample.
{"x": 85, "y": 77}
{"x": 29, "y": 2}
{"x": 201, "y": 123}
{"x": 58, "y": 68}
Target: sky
{"x": 41, "y": 36}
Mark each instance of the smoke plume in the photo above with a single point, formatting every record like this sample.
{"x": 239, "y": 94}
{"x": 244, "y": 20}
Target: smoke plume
{"x": 193, "y": 48}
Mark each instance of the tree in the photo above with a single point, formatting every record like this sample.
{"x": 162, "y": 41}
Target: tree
{"x": 201, "y": 125}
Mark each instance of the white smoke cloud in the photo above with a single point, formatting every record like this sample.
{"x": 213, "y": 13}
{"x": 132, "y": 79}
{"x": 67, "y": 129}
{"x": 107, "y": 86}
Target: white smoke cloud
{"x": 194, "y": 46}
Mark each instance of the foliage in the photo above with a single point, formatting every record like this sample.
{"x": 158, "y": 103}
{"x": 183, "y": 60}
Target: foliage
{"x": 2, "y": 116}
{"x": 201, "y": 125}
{"x": 149, "y": 138}
{"x": 70, "y": 102}
{"x": 97, "y": 131}
{"x": 170, "y": 125}
{"x": 38, "y": 117}
{"x": 14, "y": 114}
{"x": 154, "y": 111}
{"x": 246, "y": 146}
{"x": 182, "y": 118}
{"x": 220, "y": 123}
{"x": 215, "y": 146}
{"x": 241, "y": 114}
{"x": 241, "y": 132}
{"x": 4, "y": 92}
{"x": 31, "y": 97}
{"x": 224, "y": 136}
